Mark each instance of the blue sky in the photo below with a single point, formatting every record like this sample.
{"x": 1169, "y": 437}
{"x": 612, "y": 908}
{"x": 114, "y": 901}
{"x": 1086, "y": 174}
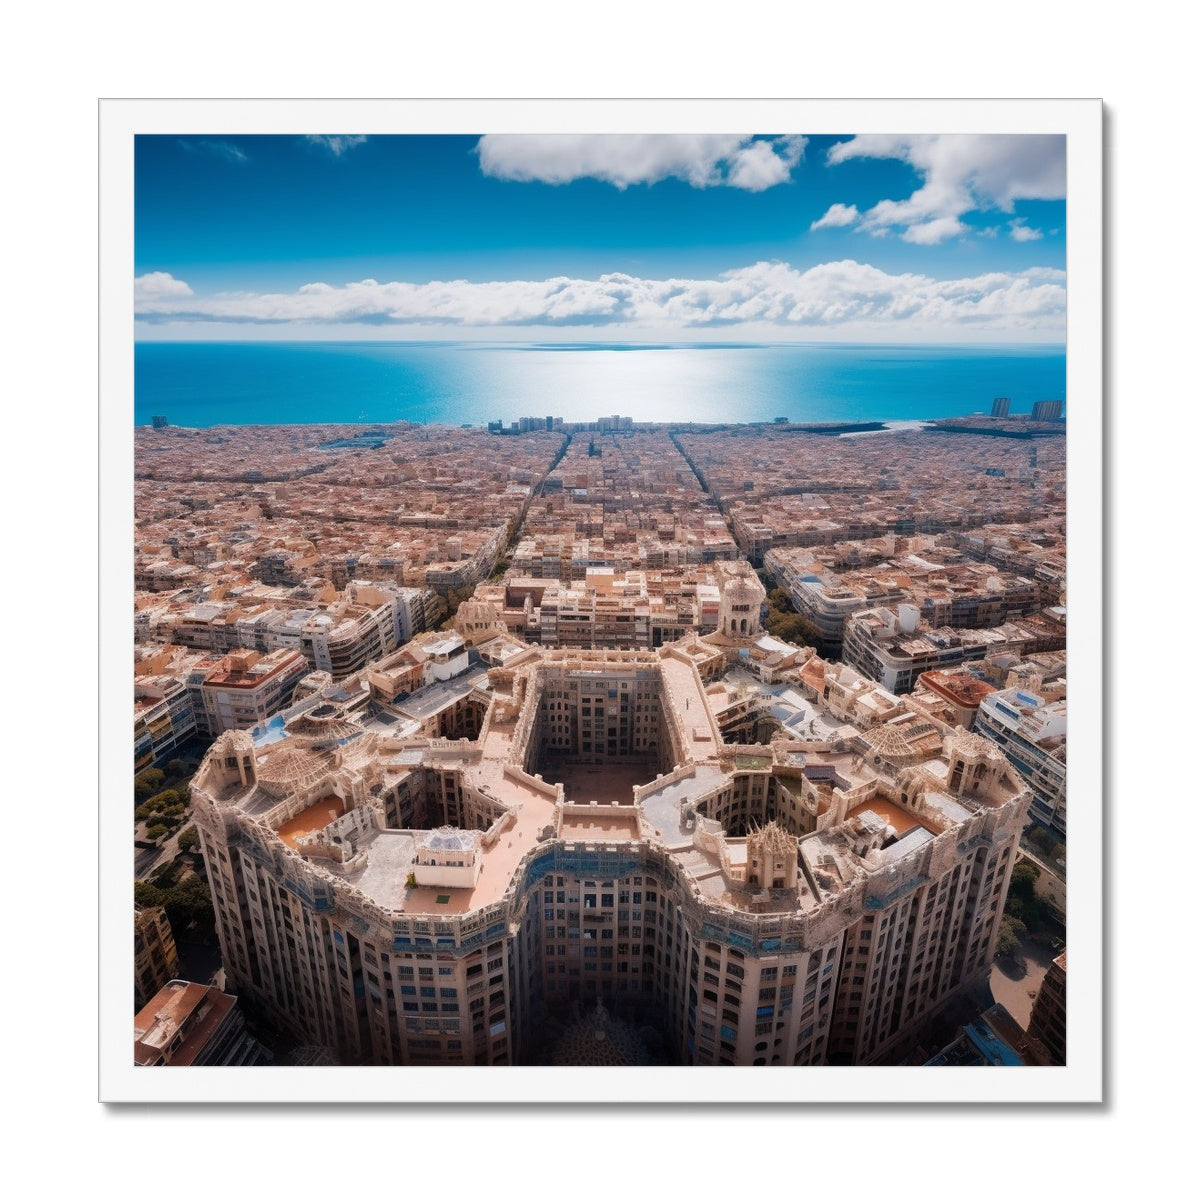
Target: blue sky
{"x": 689, "y": 237}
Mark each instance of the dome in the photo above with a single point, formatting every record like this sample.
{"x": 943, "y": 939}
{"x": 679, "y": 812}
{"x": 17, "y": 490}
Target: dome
{"x": 289, "y": 768}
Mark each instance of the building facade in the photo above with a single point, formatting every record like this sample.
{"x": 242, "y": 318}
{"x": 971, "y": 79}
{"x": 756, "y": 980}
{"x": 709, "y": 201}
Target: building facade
{"x": 895, "y": 645}
{"x": 810, "y": 900}
{"x": 155, "y": 958}
{"x": 245, "y": 688}
{"x": 1032, "y": 732}
{"x": 1048, "y": 1021}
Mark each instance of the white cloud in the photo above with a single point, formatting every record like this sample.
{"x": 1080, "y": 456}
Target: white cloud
{"x": 220, "y": 149}
{"x": 158, "y": 285}
{"x": 1020, "y": 232}
{"x": 336, "y": 143}
{"x": 961, "y": 173}
{"x": 837, "y": 215}
{"x": 768, "y": 295}
{"x": 929, "y": 233}
{"x": 703, "y": 160}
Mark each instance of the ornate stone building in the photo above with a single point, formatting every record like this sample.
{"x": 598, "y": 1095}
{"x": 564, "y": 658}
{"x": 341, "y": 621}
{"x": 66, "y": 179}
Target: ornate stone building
{"x": 607, "y": 833}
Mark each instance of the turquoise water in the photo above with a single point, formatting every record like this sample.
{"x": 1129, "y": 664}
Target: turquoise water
{"x": 453, "y": 383}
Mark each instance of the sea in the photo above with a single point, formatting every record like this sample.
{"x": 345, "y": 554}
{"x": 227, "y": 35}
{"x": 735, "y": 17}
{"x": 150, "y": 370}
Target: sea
{"x": 202, "y": 384}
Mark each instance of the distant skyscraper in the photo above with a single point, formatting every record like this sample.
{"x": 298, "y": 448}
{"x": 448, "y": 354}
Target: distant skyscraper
{"x": 1048, "y": 410}
{"x": 1000, "y": 406}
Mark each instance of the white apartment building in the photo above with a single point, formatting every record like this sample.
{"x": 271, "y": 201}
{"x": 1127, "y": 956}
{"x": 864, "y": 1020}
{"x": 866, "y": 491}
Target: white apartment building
{"x": 245, "y": 688}
{"x": 1032, "y": 732}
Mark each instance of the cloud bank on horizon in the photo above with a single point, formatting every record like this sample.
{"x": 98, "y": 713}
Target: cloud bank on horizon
{"x": 964, "y": 234}
{"x": 1031, "y": 302}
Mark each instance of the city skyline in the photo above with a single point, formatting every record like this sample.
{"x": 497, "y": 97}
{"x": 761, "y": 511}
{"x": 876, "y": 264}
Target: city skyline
{"x": 927, "y": 238}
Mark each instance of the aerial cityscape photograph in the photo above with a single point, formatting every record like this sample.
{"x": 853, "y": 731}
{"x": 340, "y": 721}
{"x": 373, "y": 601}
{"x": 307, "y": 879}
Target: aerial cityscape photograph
{"x": 599, "y": 600}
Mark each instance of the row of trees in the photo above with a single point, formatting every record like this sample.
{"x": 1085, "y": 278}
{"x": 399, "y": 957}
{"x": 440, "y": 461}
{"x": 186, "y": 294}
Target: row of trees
{"x": 163, "y": 813}
{"x": 178, "y": 772}
{"x": 161, "y": 797}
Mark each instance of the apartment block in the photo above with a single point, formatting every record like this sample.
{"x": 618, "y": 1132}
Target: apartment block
{"x": 895, "y": 646}
{"x": 155, "y": 958}
{"x": 244, "y": 688}
{"x": 191, "y": 1025}
{"x": 611, "y": 832}
{"x": 338, "y": 631}
{"x": 1048, "y": 1021}
{"x": 934, "y": 577}
{"x": 1032, "y": 732}
{"x": 609, "y": 608}
{"x": 166, "y": 710}
{"x": 950, "y": 698}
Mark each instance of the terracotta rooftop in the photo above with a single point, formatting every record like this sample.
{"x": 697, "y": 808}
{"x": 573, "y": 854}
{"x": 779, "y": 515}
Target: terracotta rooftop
{"x": 313, "y": 818}
{"x": 173, "y": 1007}
{"x": 959, "y": 686}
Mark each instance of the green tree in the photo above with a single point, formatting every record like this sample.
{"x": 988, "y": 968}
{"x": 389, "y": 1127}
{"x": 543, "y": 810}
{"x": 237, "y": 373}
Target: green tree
{"x": 1046, "y": 844}
{"x": 147, "y": 782}
{"x": 1023, "y": 903}
{"x": 161, "y": 801}
{"x": 156, "y": 831}
{"x": 189, "y": 904}
{"x": 189, "y": 839}
{"x": 1024, "y": 878}
{"x": 1012, "y": 934}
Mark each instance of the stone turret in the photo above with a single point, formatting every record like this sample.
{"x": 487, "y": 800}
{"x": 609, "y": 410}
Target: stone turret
{"x": 976, "y": 764}
{"x": 772, "y": 857}
{"x": 741, "y": 605}
{"x": 231, "y": 760}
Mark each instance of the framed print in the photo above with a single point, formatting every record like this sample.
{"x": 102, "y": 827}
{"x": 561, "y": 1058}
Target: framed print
{"x": 599, "y": 587}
